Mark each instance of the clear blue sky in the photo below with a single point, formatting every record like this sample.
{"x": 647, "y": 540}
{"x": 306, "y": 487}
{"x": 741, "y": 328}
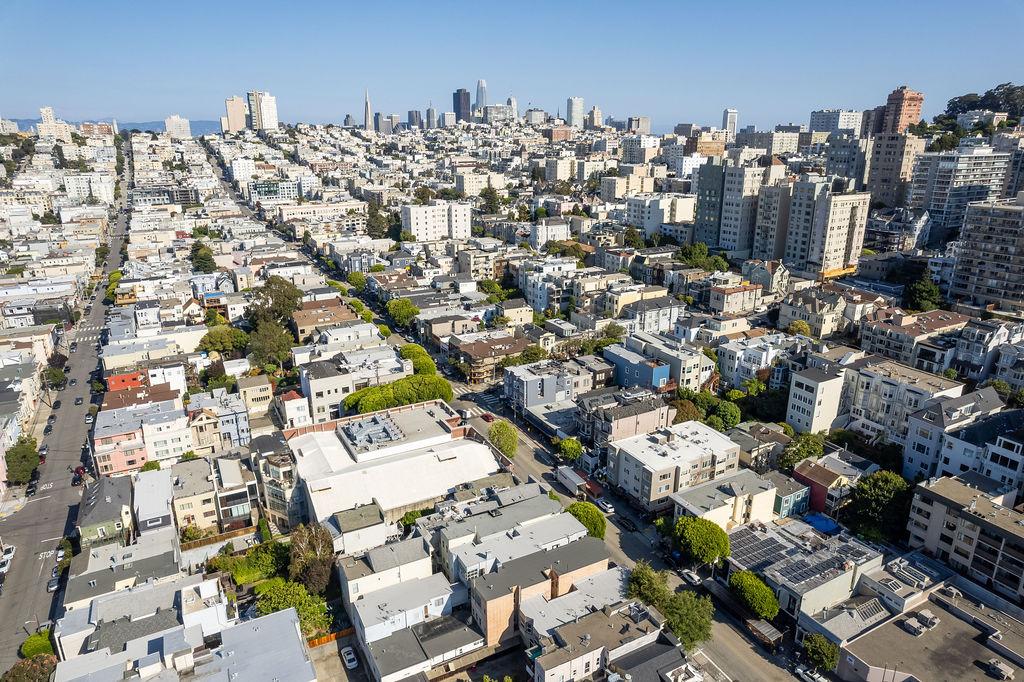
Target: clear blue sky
{"x": 673, "y": 61}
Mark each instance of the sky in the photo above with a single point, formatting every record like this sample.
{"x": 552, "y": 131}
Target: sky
{"x": 673, "y": 61}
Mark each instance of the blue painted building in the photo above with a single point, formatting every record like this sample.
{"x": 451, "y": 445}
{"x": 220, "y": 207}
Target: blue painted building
{"x": 634, "y": 369}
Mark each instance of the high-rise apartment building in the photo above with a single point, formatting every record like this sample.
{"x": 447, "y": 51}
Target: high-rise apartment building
{"x": 639, "y": 124}
{"x": 639, "y": 148}
{"x": 481, "y": 95}
{"x": 836, "y": 120}
{"x": 990, "y": 266}
{"x": 945, "y": 182}
{"x": 902, "y": 109}
{"x": 740, "y": 187}
{"x": 460, "y": 103}
{"x": 177, "y": 127}
{"x": 1012, "y": 142}
{"x": 825, "y": 234}
{"x": 367, "y": 113}
{"x": 594, "y": 120}
{"x": 236, "y": 114}
{"x": 574, "y": 112}
{"x": 709, "y": 180}
{"x": 849, "y": 156}
{"x": 772, "y": 221}
{"x": 892, "y": 166}
{"x": 730, "y": 123}
{"x": 437, "y": 220}
{"x": 262, "y": 110}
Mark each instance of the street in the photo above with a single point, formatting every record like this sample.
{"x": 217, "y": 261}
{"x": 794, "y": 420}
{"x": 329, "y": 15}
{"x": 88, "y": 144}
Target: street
{"x": 37, "y": 527}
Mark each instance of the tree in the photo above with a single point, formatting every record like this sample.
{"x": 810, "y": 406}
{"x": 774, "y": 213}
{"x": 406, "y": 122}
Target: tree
{"x": 702, "y": 541}
{"x": 821, "y": 653}
{"x": 492, "y": 202}
{"x": 533, "y": 353}
{"x": 798, "y": 328}
{"x": 689, "y": 618}
{"x": 803, "y": 446}
{"x": 37, "y": 644}
{"x": 686, "y": 411}
{"x": 1001, "y": 387}
{"x": 422, "y": 195}
{"x": 311, "y": 556}
{"x": 384, "y": 330}
{"x": 715, "y": 422}
{"x": 951, "y": 374}
{"x": 590, "y": 516}
{"x": 504, "y": 437}
{"x": 263, "y": 530}
{"x": 729, "y": 413}
{"x": 649, "y": 586}
{"x": 366, "y": 315}
{"x": 278, "y": 594}
{"x": 923, "y": 295}
{"x": 402, "y": 311}
{"x": 879, "y": 505}
{"x": 54, "y": 376}
{"x": 276, "y": 300}
{"x": 357, "y": 280}
{"x": 22, "y": 459}
{"x": 754, "y": 594}
{"x": 270, "y": 343}
{"x": 39, "y": 668}
{"x": 151, "y": 465}
{"x": 202, "y": 258}
{"x": 614, "y": 331}
{"x": 632, "y": 238}
{"x": 570, "y": 449}
{"x": 223, "y": 339}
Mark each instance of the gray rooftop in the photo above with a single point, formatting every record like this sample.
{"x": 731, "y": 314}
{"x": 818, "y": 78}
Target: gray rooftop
{"x": 103, "y": 500}
{"x": 529, "y": 570}
{"x": 700, "y": 499}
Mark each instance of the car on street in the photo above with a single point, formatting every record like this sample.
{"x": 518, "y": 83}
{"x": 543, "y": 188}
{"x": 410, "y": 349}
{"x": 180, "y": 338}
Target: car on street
{"x": 73, "y": 382}
{"x": 627, "y": 524}
{"x": 89, "y": 419}
{"x": 53, "y": 585}
{"x": 55, "y": 572}
{"x": 349, "y": 656}
{"x": 51, "y": 419}
{"x": 74, "y": 346}
{"x": 691, "y": 577}
{"x": 59, "y": 556}
{"x": 9, "y": 551}
{"x": 5, "y": 565}
{"x": 48, "y": 430}
{"x": 79, "y": 400}
{"x": 807, "y": 674}
{"x": 76, "y": 481}
{"x": 487, "y": 417}
{"x": 56, "y": 404}
{"x": 30, "y": 489}
{"x": 604, "y": 505}
{"x": 43, "y": 450}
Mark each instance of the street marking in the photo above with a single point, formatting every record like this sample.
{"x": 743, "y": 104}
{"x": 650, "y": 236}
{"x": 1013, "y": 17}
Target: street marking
{"x": 59, "y": 537}
{"x": 46, "y": 486}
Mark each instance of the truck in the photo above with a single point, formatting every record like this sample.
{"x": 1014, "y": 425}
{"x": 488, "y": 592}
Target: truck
{"x": 570, "y": 480}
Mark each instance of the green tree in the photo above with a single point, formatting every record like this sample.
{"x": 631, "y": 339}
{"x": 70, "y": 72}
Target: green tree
{"x": 951, "y": 374}
{"x": 202, "y": 258}
{"x": 1001, "y": 387}
{"x": 422, "y": 195}
{"x": 533, "y": 353}
{"x": 492, "y": 202}
{"x": 279, "y": 594}
{"x": 923, "y": 295}
{"x": 366, "y": 316}
{"x": 798, "y": 328}
{"x": 649, "y": 586}
{"x": 803, "y": 446}
{"x": 504, "y": 437}
{"x": 215, "y": 319}
{"x": 36, "y": 644}
{"x": 311, "y": 556}
{"x": 54, "y": 376}
{"x": 570, "y": 449}
{"x": 223, "y": 339}
{"x": 689, "y": 618}
{"x": 729, "y": 413}
{"x": 151, "y": 465}
{"x": 22, "y": 459}
{"x": 276, "y": 300}
{"x": 821, "y": 653}
{"x": 702, "y": 541}
{"x": 590, "y": 516}
{"x": 715, "y": 422}
{"x": 39, "y": 668}
{"x": 270, "y": 343}
{"x": 384, "y": 330}
{"x": 686, "y": 411}
{"x": 402, "y": 311}
{"x": 754, "y": 594}
{"x": 614, "y": 331}
{"x": 633, "y": 239}
{"x": 357, "y": 280}
{"x": 263, "y": 530}
{"x": 879, "y": 505}
{"x": 415, "y": 389}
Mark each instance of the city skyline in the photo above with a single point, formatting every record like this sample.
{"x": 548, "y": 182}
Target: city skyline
{"x": 695, "y": 84}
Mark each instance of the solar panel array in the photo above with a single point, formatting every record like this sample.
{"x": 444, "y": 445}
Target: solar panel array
{"x": 754, "y": 551}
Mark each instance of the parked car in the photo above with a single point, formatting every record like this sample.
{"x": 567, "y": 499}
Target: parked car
{"x": 488, "y": 417}
{"x": 604, "y": 505}
{"x": 76, "y": 481}
{"x": 89, "y": 419}
{"x": 30, "y": 489}
{"x": 73, "y": 382}
{"x": 48, "y": 430}
{"x": 807, "y": 674}
{"x": 349, "y": 656}
{"x": 79, "y": 400}
{"x": 627, "y": 524}
{"x": 691, "y": 577}
{"x": 56, "y": 404}
{"x": 9, "y": 551}
{"x": 5, "y": 565}
{"x": 43, "y": 449}
{"x": 55, "y": 572}
{"x": 59, "y": 556}
{"x": 53, "y": 585}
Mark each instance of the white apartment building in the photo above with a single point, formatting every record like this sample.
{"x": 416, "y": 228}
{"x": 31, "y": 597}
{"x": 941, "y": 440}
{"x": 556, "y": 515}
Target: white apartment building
{"x": 742, "y": 359}
{"x": 650, "y": 467}
{"x": 81, "y": 186}
{"x": 680, "y": 162}
{"x": 262, "y": 110}
{"x": 649, "y": 211}
{"x": 740, "y": 188}
{"x": 836, "y": 120}
{"x": 574, "y": 116}
{"x": 177, "y": 127}
{"x": 471, "y": 184}
{"x": 639, "y": 148}
{"x": 437, "y": 220}
{"x": 548, "y": 230}
{"x": 814, "y": 399}
{"x": 560, "y": 168}
{"x": 825, "y": 233}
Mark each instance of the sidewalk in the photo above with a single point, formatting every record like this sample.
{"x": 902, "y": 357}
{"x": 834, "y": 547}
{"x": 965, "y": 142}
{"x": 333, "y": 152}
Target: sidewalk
{"x": 13, "y": 500}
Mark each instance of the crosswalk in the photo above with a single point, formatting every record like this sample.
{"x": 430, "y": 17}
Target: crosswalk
{"x": 88, "y": 332}
{"x": 486, "y": 402}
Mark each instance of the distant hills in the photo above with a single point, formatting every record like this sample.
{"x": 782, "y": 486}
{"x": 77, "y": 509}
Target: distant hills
{"x": 198, "y": 127}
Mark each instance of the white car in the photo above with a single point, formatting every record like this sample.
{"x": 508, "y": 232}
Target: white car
{"x": 9, "y": 551}
{"x": 604, "y": 505}
{"x": 349, "y": 657}
{"x": 5, "y": 565}
{"x": 808, "y": 675}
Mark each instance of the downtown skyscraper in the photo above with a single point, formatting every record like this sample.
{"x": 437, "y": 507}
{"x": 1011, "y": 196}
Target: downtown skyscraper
{"x": 481, "y": 95}
{"x": 574, "y": 112}
{"x": 460, "y": 104}
{"x": 367, "y": 113}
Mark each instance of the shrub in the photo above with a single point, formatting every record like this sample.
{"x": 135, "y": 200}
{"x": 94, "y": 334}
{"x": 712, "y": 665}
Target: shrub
{"x": 37, "y": 644}
{"x": 754, "y": 594}
{"x": 590, "y": 516}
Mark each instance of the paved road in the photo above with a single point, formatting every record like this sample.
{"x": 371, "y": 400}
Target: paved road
{"x": 49, "y": 516}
